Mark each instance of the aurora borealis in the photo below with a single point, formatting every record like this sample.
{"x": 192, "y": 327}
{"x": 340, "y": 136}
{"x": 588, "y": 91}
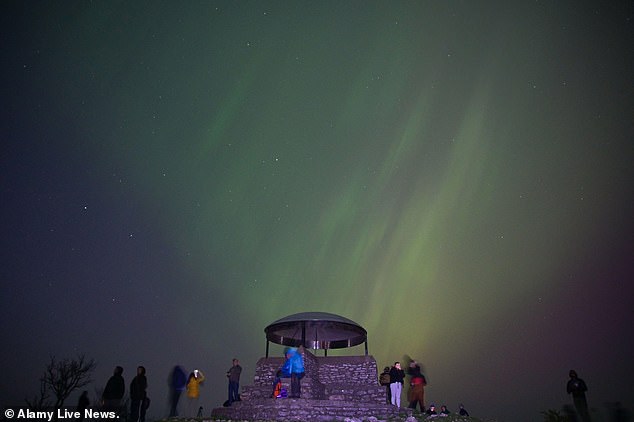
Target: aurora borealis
{"x": 453, "y": 176}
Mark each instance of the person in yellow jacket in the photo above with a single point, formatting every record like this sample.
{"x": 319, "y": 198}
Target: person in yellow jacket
{"x": 193, "y": 393}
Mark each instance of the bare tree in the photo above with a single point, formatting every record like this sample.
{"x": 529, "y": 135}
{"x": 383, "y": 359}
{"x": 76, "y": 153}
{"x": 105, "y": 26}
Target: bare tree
{"x": 40, "y": 402}
{"x": 64, "y": 376}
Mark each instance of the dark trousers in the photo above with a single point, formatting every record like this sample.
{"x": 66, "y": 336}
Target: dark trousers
{"x": 417, "y": 396}
{"x": 582, "y": 408}
{"x": 137, "y": 411}
{"x": 296, "y": 386}
{"x": 176, "y": 395}
{"x": 234, "y": 392}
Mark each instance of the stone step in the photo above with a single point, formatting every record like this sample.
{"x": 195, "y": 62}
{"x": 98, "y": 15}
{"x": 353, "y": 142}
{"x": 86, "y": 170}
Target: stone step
{"x": 304, "y": 410}
{"x": 361, "y": 393}
{"x": 311, "y": 389}
{"x": 265, "y": 381}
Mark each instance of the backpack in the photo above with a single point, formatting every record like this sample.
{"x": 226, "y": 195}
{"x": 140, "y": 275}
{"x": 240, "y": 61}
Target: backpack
{"x": 384, "y": 379}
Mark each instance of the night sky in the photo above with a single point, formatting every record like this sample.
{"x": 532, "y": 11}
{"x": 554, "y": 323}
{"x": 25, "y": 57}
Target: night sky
{"x": 454, "y": 176}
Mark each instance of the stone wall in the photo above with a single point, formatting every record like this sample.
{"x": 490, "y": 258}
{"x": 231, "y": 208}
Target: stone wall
{"x": 265, "y": 370}
{"x": 351, "y": 370}
{"x": 307, "y": 410}
{"x": 334, "y": 387}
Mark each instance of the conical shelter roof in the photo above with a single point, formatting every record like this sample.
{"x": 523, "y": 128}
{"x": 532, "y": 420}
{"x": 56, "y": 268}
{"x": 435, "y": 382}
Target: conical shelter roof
{"x": 316, "y": 330}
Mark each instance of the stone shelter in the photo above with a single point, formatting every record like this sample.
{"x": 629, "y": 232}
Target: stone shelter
{"x": 334, "y": 387}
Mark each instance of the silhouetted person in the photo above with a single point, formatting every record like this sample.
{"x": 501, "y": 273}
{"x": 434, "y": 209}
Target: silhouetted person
{"x": 417, "y": 386}
{"x": 178, "y": 382}
{"x": 577, "y": 387}
{"x": 463, "y": 411}
{"x": 444, "y": 411}
{"x": 82, "y": 405}
{"x": 114, "y": 391}
{"x": 233, "y": 374}
{"x": 384, "y": 379}
{"x": 432, "y": 410}
{"x": 138, "y": 396}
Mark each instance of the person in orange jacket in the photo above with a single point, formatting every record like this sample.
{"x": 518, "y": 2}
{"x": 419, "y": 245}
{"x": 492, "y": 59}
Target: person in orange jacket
{"x": 193, "y": 392}
{"x": 277, "y": 384}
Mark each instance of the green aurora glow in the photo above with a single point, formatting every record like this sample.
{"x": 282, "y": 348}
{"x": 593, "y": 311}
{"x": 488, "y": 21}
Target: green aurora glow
{"x": 440, "y": 172}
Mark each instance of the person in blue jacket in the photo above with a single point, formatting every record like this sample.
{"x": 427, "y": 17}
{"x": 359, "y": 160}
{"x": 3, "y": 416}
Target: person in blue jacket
{"x": 178, "y": 383}
{"x": 294, "y": 368}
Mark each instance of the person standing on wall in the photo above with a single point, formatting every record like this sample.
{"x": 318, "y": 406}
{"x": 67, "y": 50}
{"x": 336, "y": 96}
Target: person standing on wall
{"x": 397, "y": 375}
{"x": 294, "y": 368}
{"x": 234, "y": 381}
